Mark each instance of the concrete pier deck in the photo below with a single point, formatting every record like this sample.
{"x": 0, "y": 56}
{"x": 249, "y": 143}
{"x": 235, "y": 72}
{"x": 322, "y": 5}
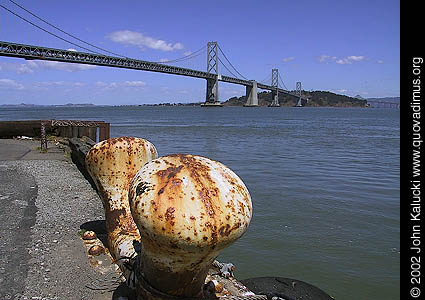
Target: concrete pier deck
{"x": 44, "y": 201}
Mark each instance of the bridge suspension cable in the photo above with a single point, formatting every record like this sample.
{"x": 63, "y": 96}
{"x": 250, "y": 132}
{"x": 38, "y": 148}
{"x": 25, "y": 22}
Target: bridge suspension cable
{"x": 45, "y": 30}
{"x": 266, "y": 80}
{"x": 183, "y": 58}
{"x": 281, "y": 81}
{"x": 68, "y": 34}
{"x": 230, "y": 64}
{"x": 233, "y": 74}
{"x": 33, "y": 52}
{"x": 190, "y": 56}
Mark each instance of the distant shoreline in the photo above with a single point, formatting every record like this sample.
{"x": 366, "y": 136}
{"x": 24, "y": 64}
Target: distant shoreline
{"x": 232, "y": 102}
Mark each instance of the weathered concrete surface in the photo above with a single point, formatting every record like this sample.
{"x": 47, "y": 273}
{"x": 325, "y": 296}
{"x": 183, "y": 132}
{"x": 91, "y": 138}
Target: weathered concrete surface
{"x": 44, "y": 201}
{"x": 18, "y": 191}
{"x": 28, "y": 150}
{"x": 12, "y": 151}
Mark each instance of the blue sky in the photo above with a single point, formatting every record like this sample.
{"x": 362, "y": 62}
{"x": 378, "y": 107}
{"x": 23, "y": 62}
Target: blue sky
{"x": 347, "y": 47}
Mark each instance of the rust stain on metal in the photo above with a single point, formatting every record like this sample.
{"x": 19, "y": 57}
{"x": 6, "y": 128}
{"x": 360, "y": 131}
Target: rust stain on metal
{"x": 96, "y": 250}
{"x": 169, "y": 214}
{"x": 89, "y": 235}
{"x": 188, "y": 215}
{"x": 112, "y": 164}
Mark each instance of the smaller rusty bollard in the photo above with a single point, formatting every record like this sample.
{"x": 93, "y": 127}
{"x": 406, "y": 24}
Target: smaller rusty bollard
{"x": 43, "y": 138}
{"x": 112, "y": 164}
{"x": 188, "y": 208}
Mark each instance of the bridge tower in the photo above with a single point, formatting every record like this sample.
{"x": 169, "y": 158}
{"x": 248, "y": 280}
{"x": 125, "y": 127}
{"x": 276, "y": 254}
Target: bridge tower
{"x": 212, "y": 68}
{"x": 275, "y": 91}
{"x": 298, "y": 93}
{"x": 251, "y": 95}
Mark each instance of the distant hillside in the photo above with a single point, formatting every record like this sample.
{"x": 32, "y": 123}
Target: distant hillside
{"x": 316, "y": 98}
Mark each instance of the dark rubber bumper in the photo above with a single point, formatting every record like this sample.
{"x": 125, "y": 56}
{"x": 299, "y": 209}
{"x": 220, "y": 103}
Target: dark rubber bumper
{"x": 285, "y": 288}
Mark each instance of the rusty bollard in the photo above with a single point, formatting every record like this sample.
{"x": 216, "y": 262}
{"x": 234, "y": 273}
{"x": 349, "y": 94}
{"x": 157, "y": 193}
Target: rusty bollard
{"x": 187, "y": 208}
{"x": 112, "y": 164}
{"x": 43, "y": 138}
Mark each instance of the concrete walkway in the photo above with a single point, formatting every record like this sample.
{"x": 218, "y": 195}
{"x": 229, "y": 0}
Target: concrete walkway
{"x": 28, "y": 150}
{"x": 44, "y": 202}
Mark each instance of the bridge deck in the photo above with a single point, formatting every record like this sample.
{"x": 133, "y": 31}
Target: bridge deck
{"x": 71, "y": 56}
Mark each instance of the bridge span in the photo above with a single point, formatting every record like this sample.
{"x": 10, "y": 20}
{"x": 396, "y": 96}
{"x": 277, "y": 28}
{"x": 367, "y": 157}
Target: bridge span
{"x": 31, "y": 52}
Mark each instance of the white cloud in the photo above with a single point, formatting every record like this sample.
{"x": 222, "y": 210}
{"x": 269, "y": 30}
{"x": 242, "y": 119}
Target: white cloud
{"x": 60, "y": 83}
{"x": 122, "y": 84}
{"x": 29, "y": 67}
{"x": 55, "y": 65}
{"x": 342, "y": 61}
{"x": 380, "y": 61}
{"x": 163, "y": 60}
{"x": 356, "y": 58}
{"x": 288, "y": 59}
{"x": 134, "y": 83}
{"x": 326, "y": 58}
{"x": 24, "y": 68}
{"x": 133, "y": 38}
{"x": 49, "y": 85}
{"x": 10, "y": 84}
{"x": 52, "y": 83}
{"x": 228, "y": 92}
{"x": 349, "y": 60}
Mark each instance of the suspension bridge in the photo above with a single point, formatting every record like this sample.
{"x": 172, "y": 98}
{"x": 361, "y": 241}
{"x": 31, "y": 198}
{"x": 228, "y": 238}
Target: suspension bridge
{"x": 215, "y": 58}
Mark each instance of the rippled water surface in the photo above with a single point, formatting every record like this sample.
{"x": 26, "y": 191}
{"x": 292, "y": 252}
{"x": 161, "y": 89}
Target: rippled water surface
{"x": 324, "y": 183}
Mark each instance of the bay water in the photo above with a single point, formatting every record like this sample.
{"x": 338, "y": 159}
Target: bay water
{"x": 325, "y": 184}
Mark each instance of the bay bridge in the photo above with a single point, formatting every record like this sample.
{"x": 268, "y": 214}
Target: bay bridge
{"x": 94, "y": 57}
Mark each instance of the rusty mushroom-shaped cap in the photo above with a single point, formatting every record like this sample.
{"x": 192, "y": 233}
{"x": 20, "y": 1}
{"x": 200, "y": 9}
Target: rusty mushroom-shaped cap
{"x": 112, "y": 164}
{"x": 187, "y": 208}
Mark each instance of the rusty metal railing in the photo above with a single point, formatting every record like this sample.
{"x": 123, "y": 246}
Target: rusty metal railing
{"x": 75, "y": 128}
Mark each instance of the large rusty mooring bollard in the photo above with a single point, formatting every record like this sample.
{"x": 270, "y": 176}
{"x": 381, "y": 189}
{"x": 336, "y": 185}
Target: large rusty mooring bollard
{"x": 112, "y": 164}
{"x": 187, "y": 208}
